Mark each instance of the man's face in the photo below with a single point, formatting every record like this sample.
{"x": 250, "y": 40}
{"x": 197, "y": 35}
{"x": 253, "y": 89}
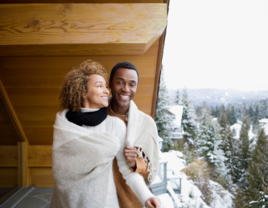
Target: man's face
{"x": 124, "y": 86}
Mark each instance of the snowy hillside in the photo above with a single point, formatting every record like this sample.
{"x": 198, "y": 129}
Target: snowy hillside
{"x": 237, "y": 128}
{"x": 190, "y": 195}
{"x": 221, "y": 96}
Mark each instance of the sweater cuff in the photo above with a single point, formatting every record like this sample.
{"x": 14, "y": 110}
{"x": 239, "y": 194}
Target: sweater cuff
{"x": 140, "y": 165}
{"x": 140, "y": 189}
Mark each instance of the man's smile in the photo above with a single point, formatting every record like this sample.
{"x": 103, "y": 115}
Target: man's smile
{"x": 124, "y": 97}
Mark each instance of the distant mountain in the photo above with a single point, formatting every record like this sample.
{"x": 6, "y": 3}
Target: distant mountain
{"x": 218, "y": 97}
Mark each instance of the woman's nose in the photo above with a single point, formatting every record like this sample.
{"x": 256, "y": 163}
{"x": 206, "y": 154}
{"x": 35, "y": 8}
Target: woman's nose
{"x": 106, "y": 91}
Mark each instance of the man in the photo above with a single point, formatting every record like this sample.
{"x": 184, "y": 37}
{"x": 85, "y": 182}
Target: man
{"x": 143, "y": 141}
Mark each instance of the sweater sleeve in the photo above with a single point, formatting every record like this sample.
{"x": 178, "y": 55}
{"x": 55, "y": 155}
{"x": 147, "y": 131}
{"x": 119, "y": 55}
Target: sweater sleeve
{"x": 134, "y": 180}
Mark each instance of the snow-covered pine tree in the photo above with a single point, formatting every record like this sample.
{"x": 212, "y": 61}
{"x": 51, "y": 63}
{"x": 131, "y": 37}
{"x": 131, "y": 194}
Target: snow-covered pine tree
{"x": 205, "y": 137}
{"x": 255, "y": 124}
{"x": 258, "y": 169}
{"x": 222, "y": 120}
{"x": 209, "y": 142}
{"x": 188, "y": 121}
{"x": 262, "y": 201}
{"x": 244, "y": 154}
{"x": 177, "y": 98}
{"x": 217, "y": 156}
{"x": 233, "y": 119}
{"x": 229, "y": 153}
{"x": 162, "y": 119}
{"x": 228, "y": 148}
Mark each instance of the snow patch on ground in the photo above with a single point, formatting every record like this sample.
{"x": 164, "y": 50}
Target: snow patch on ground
{"x": 221, "y": 197}
{"x": 190, "y": 194}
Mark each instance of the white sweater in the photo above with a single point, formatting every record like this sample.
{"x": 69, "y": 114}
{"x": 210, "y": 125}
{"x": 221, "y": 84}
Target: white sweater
{"x": 136, "y": 182}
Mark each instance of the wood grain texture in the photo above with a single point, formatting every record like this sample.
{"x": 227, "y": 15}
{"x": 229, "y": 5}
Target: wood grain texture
{"x": 41, "y": 177}
{"x": 11, "y": 114}
{"x": 23, "y": 171}
{"x": 7, "y": 135}
{"x": 39, "y": 156}
{"x": 8, "y": 177}
{"x": 80, "y": 29}
{"x": 9, "y": 156}
{"x": 81, "y": 1}
{"x": 33, "y": 86}
{"x": 157, "y": 74}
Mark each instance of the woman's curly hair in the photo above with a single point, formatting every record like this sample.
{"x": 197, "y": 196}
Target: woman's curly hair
{"x": 74, "y": 85}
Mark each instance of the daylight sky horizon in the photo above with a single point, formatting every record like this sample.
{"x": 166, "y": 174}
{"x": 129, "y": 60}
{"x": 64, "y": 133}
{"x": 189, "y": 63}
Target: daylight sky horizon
{"x": 217, "y": 44}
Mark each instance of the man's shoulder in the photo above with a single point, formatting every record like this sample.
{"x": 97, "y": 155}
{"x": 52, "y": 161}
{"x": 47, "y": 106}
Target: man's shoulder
{"x": 145, "y": 116}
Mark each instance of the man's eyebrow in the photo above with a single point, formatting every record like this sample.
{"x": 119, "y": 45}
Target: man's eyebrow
{"x": 123, "y": 79}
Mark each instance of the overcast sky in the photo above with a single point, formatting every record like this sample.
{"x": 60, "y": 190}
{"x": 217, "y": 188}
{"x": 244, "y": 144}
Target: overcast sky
{"x": 217, "y": 44}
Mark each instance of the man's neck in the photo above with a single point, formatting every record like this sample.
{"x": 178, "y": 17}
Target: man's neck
{"x": 117, "y": 109}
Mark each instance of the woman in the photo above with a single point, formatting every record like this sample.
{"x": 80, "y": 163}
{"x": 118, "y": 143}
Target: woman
{"x": 85, "y": 142}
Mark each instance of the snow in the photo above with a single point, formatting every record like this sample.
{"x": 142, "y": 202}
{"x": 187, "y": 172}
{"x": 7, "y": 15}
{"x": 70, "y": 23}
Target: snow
{"x": 166, "y": 201}
{"x": 264, "y": 121}
{"x": 208, "y": 97}
{"x": 237, "y": 128}
{"x": 177, "y": 111}
{"x": 221, "y": 197}
{"x": 226, "y": 94}
{"x": 190, "y": 194}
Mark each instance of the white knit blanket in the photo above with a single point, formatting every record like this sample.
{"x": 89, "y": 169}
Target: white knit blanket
{"x": 142, "y": 133}
{"x": 80, "y": 165}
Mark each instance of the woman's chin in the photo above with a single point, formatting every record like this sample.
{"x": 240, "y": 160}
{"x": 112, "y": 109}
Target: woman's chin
{"x": 105, "y": 105}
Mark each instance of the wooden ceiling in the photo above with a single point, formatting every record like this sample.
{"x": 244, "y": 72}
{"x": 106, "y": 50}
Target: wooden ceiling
{"x": 82, "y": 1}
{"x": 79, "y": 29}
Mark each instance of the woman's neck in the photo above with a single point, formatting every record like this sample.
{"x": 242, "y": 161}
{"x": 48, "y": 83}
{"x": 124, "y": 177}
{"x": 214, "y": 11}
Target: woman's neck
{"x": 88, "y": 110}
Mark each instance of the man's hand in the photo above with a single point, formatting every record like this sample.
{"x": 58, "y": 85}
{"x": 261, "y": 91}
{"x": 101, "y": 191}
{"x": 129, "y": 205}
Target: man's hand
{"x": 153, "y": 202}
{"x": 130, "y": 154}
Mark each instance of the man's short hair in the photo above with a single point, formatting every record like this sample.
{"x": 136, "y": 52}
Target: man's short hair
{"x": 125, "y": 65}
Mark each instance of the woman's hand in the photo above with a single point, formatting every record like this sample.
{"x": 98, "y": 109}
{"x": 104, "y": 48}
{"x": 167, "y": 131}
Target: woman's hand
{"x": 130, "y": 154}
{"x": 153, "y": 202}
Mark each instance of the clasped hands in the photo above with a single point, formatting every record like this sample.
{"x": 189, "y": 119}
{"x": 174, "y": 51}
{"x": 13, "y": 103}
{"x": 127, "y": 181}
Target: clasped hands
{"x": 130, "y": 154}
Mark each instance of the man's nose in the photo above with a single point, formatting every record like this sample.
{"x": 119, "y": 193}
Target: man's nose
{"x": 126, "y": 88}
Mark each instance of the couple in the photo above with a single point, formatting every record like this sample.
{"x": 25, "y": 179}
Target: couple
{"x": 100, "y": 160}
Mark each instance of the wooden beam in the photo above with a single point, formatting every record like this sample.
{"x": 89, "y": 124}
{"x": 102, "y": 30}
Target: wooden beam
{"x": 157, "y": 74}
{"x": 79, "y": 1}
{"x": 79, "y": 29}
{"x": 23, "y": 170}
{"x": 158, "y": 67}
{"x": 11, "y": 113}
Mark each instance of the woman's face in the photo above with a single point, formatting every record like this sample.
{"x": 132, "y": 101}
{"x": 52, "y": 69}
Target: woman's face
{"x": 97, "y": 93}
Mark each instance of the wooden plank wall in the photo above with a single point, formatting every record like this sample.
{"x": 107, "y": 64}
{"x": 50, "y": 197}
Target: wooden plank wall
{"x": 33, "y": 86}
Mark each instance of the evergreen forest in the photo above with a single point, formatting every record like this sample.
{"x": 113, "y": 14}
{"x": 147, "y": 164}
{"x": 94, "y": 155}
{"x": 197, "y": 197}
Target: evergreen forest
{"x": 236, "y": 160}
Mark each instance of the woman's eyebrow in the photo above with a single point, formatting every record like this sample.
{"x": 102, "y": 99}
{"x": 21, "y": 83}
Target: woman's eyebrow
{"x": 98, "y": 81}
